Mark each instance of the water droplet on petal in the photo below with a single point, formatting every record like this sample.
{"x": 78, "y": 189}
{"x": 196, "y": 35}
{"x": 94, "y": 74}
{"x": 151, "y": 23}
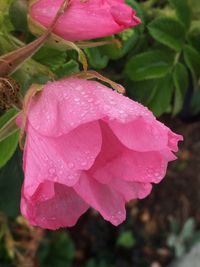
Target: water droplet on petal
{"x": 52, "y": 170}
{"x": 70, "y": 165}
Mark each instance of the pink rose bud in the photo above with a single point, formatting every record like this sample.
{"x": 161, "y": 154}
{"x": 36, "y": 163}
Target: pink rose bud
{"x": 89, "y": 146}
{"x": 84, "y": 20}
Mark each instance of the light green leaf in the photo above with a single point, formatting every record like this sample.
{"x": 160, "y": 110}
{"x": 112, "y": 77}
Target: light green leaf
{"x": 96, "y": 59}
{"x": 68, "y": 68}
{"x": 126, "y": 239}
{"x": 9, "y": 135}
{"x": 50, "y": 57}
{"x": 188, "y": 229}
{"x": 7, "y": 124}
{"x": 168, "y": 31}
{"x": 181, "y": 82}
{"x": 195, "y": 7}
{"x": 149, "y": 65}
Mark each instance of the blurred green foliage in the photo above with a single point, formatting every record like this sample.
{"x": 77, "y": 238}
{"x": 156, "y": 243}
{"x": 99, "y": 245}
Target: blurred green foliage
{"x": 181, "y": 239}
{"x": 158, "y": 63}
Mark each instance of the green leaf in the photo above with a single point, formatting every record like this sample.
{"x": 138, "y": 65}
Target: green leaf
{"x": 192, "y": 60}
{"x": 7, "y": 124}
{"x": 128, "y": 39}
{"x": 96, "y": 59}
{"x": 5, "y": 23}
{"x": 195, "y": 7}
{"x": 8, "y": 147}
{"x": 68, "y": 68}
{"x": 162, "y": 96}
{"x": 58, "y": 253}
{"x": 168, "y": 31}
{"x": 183, "y": 11}
{"x": 93, "y": 263}
{"x": 188, "y": 229}
{"x": 149, "y": 65}
{"x": 181, "y": 82}
{"x": 50, "y": 57}
{"x": 141, "y": 91}
{"x": 18, "y": 15}
{"x": 11, "y": 177}
{"x": 194, "y": 36}
{"x": 126, "y": 239}
{"x": 195, "y": 107}
{"x": 9, "y": 141}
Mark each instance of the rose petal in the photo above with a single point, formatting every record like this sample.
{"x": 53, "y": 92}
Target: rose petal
{"x": 117, "y": 161}
{"x": 84, "y": 20}
{"x": 131, "y": 190}
{"x": 103, "y": 198}
{"x": 60, "y": 159}
{"x": 66, "y": 104}
{"x": 61, "y": 207}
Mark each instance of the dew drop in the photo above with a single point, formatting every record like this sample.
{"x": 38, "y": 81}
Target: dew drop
{"x": 70, "y": 165}
{"x": 52, "y": 170}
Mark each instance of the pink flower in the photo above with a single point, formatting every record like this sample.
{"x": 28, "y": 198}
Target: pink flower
{"x": 85, "y": 20}
{"x": 88, "y": 146}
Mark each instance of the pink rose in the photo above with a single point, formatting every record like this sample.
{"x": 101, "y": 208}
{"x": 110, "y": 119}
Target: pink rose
{"x": 88, "y": 146}
{"x": 85, "y": 20}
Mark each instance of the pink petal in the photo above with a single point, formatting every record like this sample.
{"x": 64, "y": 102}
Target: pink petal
{"x": 103, "y": 198}
{"x": 146, "y": 167}
{"x": 145, "y": 134}
{"x": 64, "y": 105}
{"x": 85, "y": 20}
{"x": 53, "y": 206}
{"x": 141, "y": 134}
{"x": 117, "y": 161}
{"x": 173, "y": 140}
{"x": 110, "y": 150}
{"x": 131, "y": 190}
{"x": 59, "y": 159}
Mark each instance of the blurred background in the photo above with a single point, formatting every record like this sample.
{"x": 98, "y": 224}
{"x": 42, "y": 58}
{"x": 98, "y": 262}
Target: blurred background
{"x": 159, "y": 65}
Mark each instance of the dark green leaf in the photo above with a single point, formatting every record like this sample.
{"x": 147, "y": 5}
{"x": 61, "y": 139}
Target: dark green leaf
{"x": 58, "y": 253}
{"x": 192, "y": 59}
{"x": 128, "y": 39}
{"x": 149, "y": 65}
{"x": 10, "y": 185}
{"x": 168, "y": 31}
{"x": 194, "y": 37}
{"x": 162, "y": 96}
{"x": 195, "y": 107}
{"x": 18, "y": 14}
{"x": 141, "y": 91}
{"x": 183, "y": 11}
{"x": 181, "y": 82}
